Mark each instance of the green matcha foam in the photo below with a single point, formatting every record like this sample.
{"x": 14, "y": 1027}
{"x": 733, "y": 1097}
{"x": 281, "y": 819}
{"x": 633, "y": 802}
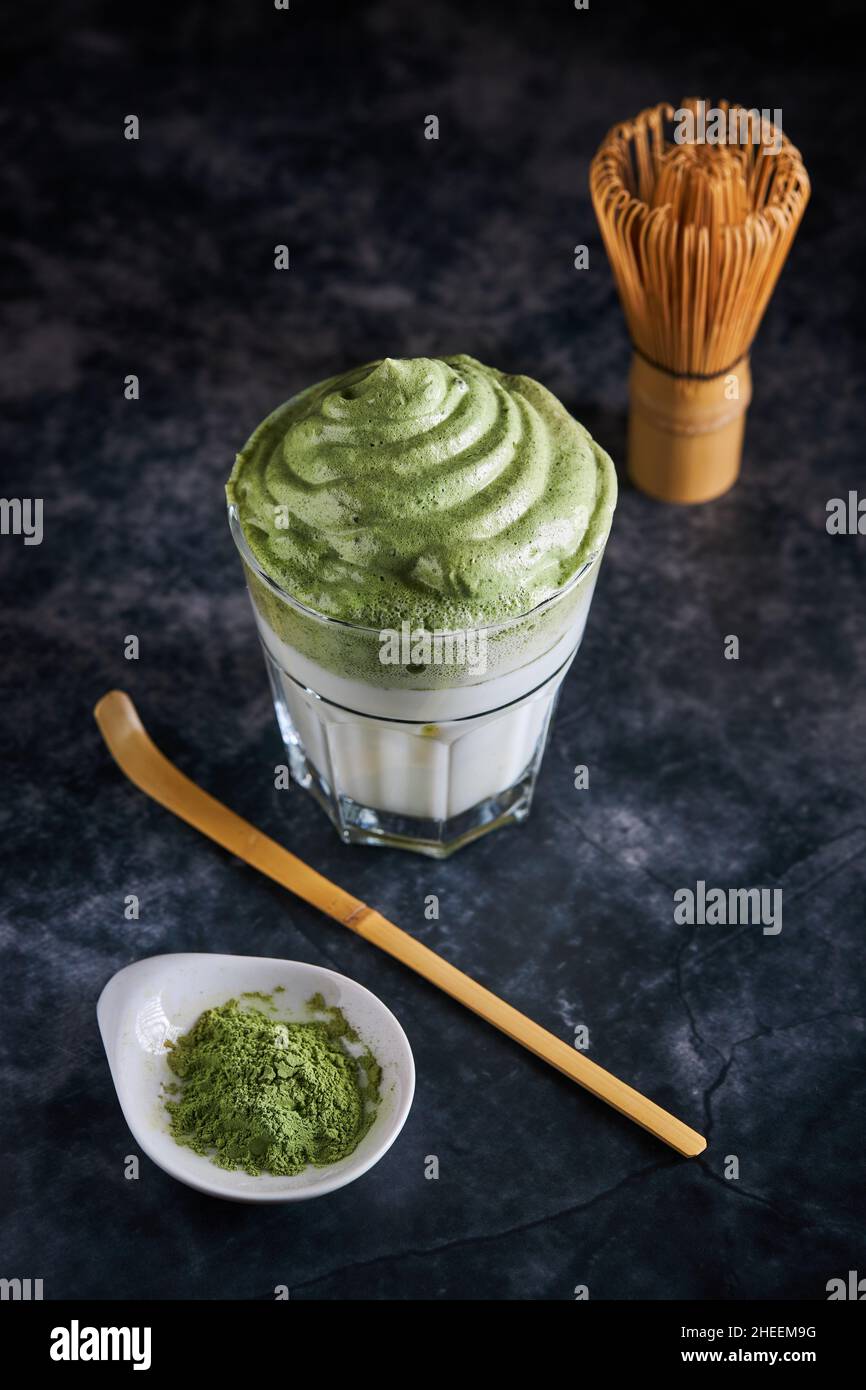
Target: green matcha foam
{"x": 436, "y": 491}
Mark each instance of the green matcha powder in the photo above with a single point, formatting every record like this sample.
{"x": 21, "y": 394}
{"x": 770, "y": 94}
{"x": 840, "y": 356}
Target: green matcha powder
{"x": 262, "y": 1095}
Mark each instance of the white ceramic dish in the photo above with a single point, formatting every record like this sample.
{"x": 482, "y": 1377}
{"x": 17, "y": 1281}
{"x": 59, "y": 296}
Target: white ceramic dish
{"x": 162, "y": 996}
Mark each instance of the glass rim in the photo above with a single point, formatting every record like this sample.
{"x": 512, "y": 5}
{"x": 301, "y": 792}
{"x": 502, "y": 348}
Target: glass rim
{"x": 249, "y": 559}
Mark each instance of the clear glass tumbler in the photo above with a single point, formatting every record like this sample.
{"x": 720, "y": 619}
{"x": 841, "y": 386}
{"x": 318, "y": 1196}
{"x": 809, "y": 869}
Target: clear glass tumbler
{"x": 421, "y": 741}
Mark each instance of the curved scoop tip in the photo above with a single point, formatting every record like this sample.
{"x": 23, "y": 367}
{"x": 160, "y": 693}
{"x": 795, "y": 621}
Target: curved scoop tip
{"x": 109, "y": 698}
{"x": 114, "y": 704}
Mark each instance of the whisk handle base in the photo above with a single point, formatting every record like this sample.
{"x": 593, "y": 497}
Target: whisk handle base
{"x": 685, "y": 437}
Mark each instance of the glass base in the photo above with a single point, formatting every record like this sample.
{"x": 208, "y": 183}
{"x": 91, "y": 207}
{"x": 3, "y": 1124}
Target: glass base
{"x": 360, "y": 824}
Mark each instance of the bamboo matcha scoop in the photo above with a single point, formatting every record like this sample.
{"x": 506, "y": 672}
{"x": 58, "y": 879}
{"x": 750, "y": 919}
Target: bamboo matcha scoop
{"x": 147, "y": 767}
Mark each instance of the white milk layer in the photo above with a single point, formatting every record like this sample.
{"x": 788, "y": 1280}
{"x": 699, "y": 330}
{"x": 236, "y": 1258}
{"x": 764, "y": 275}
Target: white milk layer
{"x": 431, "y": 754}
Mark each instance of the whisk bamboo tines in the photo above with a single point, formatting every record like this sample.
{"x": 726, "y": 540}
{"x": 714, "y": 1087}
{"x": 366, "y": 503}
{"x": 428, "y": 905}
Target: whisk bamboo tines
{"x": 697, "y": 235}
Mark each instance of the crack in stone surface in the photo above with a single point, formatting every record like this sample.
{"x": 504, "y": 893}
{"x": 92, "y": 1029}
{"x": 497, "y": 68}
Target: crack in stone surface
{"x": 630, "y": 1180}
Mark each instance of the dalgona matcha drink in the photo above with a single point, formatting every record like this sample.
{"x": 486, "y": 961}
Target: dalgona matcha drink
{"x": 421, "y": 540}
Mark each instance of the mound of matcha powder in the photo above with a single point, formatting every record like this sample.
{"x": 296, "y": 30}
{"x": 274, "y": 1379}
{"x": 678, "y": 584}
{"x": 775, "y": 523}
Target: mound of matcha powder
{"x": 263, "y": 1095}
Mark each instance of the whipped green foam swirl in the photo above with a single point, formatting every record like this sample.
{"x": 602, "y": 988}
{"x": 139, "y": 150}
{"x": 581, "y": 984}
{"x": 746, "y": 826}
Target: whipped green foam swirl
{"x": 435, "y": 491}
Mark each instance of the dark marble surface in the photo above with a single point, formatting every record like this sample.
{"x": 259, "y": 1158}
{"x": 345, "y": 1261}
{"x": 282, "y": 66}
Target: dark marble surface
{"x": 155, "y": 258}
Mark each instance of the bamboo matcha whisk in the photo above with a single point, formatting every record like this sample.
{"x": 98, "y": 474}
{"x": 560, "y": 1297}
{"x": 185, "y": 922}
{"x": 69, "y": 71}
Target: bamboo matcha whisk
{"x": 697, "y": 235}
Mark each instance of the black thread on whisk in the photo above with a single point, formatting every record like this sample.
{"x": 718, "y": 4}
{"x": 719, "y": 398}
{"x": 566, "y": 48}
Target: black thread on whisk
{"x": 690, "y": 376}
